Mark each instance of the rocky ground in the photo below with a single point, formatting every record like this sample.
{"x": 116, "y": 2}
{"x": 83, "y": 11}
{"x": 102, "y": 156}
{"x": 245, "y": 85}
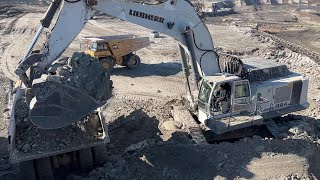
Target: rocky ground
{"x": 251, "y": 159}
{"x": 31, "y": 140}
{"x": 146, "y": 143}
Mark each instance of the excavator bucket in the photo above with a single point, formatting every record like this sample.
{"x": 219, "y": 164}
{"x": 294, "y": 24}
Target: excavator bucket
{"x": 69, "y": 92}
{"x": 57, "y": 105}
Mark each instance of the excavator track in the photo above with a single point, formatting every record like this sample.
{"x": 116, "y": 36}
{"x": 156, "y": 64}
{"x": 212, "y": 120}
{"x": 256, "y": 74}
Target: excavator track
{"x": 182, "y": 115}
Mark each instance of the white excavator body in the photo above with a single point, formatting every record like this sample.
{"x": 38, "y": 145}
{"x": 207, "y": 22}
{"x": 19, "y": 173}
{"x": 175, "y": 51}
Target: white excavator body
{"x": 251, "y": 100}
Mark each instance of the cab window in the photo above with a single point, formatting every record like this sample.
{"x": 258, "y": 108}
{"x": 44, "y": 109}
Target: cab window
{"x": 93, "y": 47}
{"x": 204, "y": 95}
{"x": 101, "y": 46}
{"x": 242, "y": 89}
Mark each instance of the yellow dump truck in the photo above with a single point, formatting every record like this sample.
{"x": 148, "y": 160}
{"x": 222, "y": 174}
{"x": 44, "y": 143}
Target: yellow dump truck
{"x": 112, "y": 50}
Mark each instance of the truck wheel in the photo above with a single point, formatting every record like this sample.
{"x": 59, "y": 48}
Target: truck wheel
{"x": 27, "y": 171}
{"x": 85, "y": 159}
{"x": 44, "y": 169}
{"x": 100, "y": 155}
{"x": 108, "y": 63}
{"x": 132, "y": 61}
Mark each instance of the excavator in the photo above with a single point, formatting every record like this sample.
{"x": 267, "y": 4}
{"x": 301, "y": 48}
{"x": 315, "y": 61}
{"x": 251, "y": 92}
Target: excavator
{"x": 254, "y": 89}
{"x": 225, "y": 93}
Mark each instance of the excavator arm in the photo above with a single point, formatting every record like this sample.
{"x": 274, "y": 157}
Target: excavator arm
{"x": 175, "y": 18}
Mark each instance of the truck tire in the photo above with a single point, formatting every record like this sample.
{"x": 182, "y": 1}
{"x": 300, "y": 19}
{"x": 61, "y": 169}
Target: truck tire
{"x": 132, "y": 61}
{"x": 44, "y": 169}
{"x": 27, "y": 171}
{"x": 108, "y": 63}
{"x": 100, "y": 155}
{"x": 85, "y": 159}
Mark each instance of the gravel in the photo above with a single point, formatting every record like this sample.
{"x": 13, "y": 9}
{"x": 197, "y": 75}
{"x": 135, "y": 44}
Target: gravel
{"x": 32, "y": 140}
{"x": 84, "y": 72}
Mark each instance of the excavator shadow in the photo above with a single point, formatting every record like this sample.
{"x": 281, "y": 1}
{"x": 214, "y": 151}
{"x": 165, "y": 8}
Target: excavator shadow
{"x": 248, "y": 160}
{"x": 131, "y": 129}
{"x": 143, "y": 70}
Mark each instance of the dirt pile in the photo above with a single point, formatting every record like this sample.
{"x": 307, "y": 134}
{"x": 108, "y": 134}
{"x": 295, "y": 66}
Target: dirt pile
{"x": 85, "y": 73}
{"x": 132, "y": 121}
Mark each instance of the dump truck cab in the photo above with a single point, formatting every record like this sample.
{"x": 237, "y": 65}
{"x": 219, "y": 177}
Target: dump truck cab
{"x": 267, "y": 90}
{"x": 98, "y": 49}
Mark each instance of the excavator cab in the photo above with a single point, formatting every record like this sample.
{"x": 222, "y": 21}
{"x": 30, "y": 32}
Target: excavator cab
{"x": 223, "y": 97}
{"x": 217, "y": 97}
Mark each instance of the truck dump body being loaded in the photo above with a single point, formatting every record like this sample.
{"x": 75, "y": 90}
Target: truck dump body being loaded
{"x": 72, "y": 90}
{"x": 45, "y": 153}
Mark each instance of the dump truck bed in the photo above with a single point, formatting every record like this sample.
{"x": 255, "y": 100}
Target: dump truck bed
{"x": 120, "y": 45}
{"x": 27, "y": 142}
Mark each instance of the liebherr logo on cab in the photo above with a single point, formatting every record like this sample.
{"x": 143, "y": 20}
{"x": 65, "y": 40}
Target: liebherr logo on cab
{"x": 146, "y": 16}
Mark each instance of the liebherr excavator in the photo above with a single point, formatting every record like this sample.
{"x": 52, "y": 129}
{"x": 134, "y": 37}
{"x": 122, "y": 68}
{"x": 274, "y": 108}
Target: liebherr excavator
{"x": 254, "y": 89}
